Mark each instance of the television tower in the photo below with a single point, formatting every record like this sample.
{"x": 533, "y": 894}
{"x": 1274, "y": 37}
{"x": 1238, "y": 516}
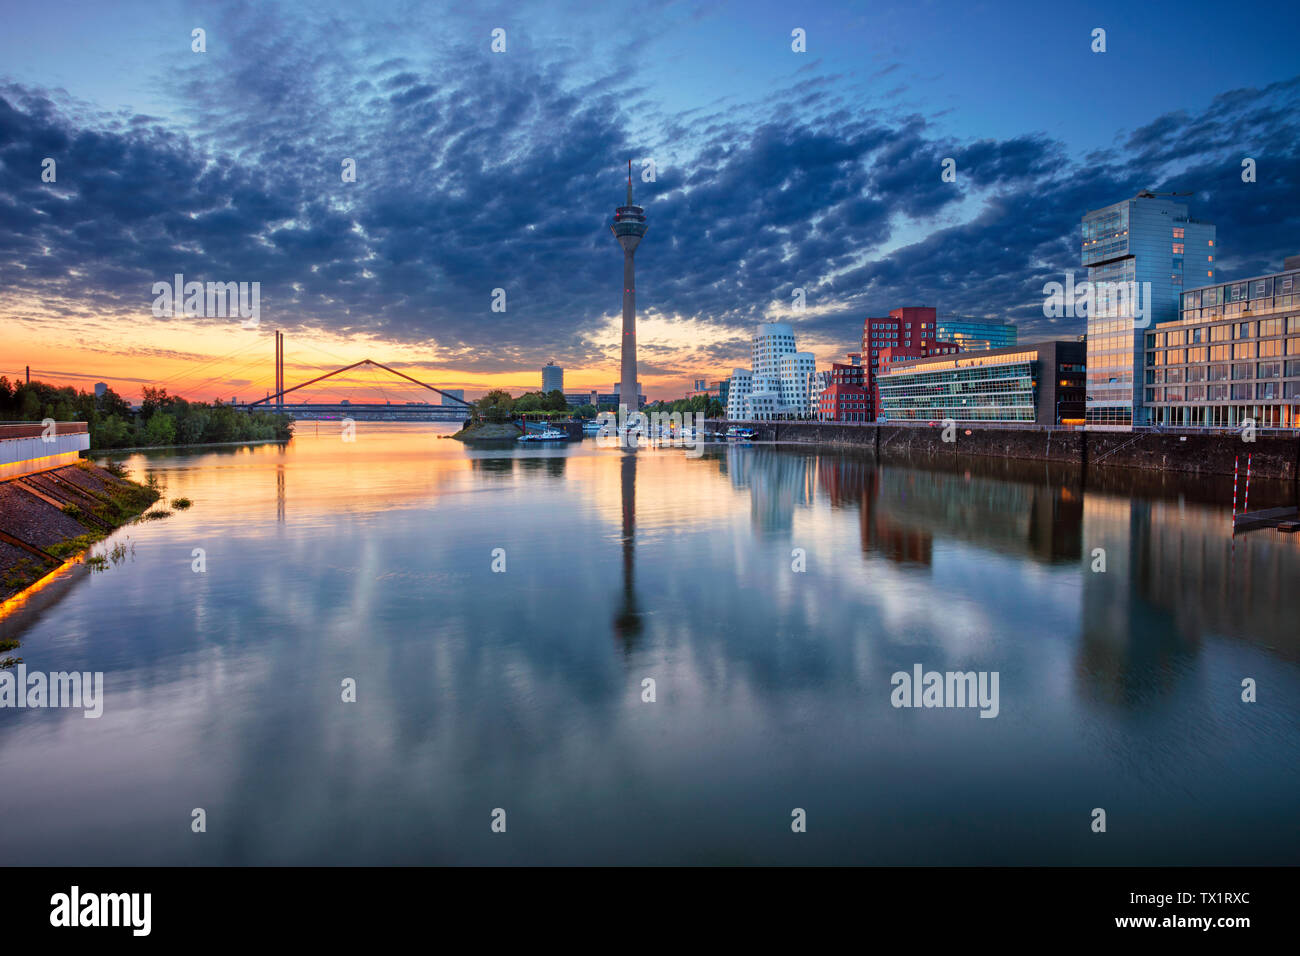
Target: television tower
{"x": 628, "y": 228}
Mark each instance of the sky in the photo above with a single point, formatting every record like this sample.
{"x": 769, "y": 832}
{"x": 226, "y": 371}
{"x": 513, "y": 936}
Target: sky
{"x": 774, "y": 170}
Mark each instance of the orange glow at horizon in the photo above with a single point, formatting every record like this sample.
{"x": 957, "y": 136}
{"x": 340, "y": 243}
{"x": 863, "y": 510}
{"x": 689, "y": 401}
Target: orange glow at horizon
{"x": 206, "y": 363}
{"x": 205, "y": 360}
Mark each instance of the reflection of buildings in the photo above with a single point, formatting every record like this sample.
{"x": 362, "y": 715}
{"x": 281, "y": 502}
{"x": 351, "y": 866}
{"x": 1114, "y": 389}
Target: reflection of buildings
{"x": 552, "y": 464}
{"x": 855, "y": 482}
{"x": 279, "y": 492}
{"x": 903, "y": 509}
{"x": 627, "y": 622}
{"x": 1172, "y": 578}
{"x": 893, "y": 539}
{"x": 777, "y": 480}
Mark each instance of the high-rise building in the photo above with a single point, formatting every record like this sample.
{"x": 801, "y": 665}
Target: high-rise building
{"x": 974, "y": 335}
{"x": 777, "y": 385}
{"x": 449, "y": 396}
{"x": 552, "y": 378}
{"x": 1151, "y": 245}
{"x": 629, "y": 227}
{"x": 100, "y": 389}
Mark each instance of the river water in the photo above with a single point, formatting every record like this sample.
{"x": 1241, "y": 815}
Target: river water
{"x": 523, "y": 690}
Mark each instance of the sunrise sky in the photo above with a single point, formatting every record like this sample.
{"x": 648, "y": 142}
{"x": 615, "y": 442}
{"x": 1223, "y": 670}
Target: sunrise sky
{"x": 478, "y": 170}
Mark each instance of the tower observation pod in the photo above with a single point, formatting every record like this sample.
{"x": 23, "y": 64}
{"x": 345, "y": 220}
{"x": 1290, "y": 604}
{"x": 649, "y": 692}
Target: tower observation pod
{"x": 628, "y": 227}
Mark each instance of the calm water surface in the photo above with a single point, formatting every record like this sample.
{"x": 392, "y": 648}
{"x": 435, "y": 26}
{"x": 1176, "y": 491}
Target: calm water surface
{"x": 522, "y": 690}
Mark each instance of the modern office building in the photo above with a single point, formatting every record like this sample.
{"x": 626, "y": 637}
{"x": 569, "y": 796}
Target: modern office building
{"x": 975, "y": 335}
{"x": 552, "y": 378}
{"x": 1232, "y": 355}
{"x": 703, "y": 388}
{"x": 449, "y": 396}
{"x": 909, "y": 331}
{"x": 100, "y": 389}
{"x": 598, "y": 399}
{"x": 1040, "y": 383}
{"x": 777, "y": 385}
{"x": 1153, "y": 243}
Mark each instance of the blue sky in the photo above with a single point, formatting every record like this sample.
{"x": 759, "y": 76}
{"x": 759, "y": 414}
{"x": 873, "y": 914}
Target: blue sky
{"x": 477, "y": 170}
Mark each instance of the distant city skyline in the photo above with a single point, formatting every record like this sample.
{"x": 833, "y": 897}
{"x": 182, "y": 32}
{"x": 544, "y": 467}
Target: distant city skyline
{"x": 764, "y": 171}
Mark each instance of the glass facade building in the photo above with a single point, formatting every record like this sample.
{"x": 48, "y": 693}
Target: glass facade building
{"x": 1040, "y": 384}
{"x": 975, "y": 335}
{"x": 1151, "y": 242}
{"x": 1233, "y": 354}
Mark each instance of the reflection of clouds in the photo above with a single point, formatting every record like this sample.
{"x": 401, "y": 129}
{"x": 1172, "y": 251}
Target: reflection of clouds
{"x": 478, "y": 690}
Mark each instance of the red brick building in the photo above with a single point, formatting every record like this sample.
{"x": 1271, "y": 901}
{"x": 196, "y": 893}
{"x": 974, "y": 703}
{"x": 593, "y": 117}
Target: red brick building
{"x": 843, "y": 402}
{"x": 905, "y": 333}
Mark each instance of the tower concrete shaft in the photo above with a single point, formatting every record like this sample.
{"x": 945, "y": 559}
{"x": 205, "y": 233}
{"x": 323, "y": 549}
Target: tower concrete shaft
{"x": 627, "y": 389}
{"x": 629, "y": 227}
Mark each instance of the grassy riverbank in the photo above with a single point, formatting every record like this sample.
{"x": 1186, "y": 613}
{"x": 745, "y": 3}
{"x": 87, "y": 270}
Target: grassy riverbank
{"x": 49, "y": 518}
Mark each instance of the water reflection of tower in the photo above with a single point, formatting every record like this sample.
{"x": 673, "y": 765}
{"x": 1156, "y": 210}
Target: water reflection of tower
{"x": 279, "y": 493}
{"x": 627, "y": 622}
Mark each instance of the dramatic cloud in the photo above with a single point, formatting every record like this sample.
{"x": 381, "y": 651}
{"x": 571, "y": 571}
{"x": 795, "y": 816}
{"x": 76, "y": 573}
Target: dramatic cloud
{"x": 477, "y": 172}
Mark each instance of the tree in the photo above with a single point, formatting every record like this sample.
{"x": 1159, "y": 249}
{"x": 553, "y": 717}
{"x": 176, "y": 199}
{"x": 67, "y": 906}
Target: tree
{"x": 155, "y": 399}
{"x": 555, "y": 401}
{"x": 161, "y": 429}
{"x": 530, "y": 402}
{"x": 495, "y": 406}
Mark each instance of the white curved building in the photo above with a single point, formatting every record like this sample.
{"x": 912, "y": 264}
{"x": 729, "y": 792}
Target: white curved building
{"x": 777, "y": 387}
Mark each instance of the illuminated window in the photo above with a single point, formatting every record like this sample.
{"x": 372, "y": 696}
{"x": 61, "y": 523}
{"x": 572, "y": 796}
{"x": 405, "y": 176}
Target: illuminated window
{"x": 1178, "y": 248}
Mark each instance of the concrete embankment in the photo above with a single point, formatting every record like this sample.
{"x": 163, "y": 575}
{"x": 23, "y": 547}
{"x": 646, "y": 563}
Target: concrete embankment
{"x": 48, "y": 517}
{"x": 1196, "y": 454}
